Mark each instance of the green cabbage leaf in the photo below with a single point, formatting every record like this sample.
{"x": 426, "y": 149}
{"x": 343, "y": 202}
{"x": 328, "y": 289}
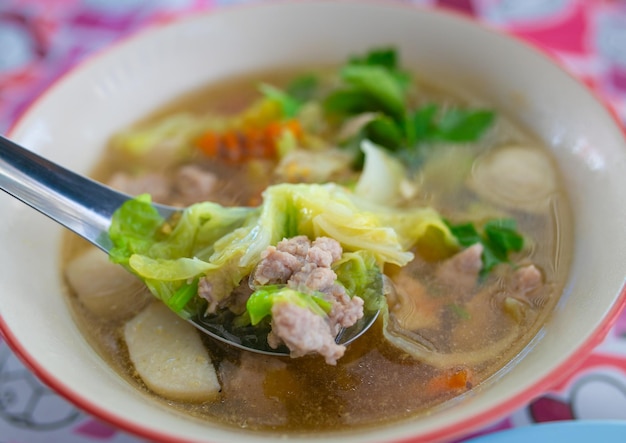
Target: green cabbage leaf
{"x": 360, "y": 274}
{"x": 224, "y": 244}
{"x": 262, "y": 300}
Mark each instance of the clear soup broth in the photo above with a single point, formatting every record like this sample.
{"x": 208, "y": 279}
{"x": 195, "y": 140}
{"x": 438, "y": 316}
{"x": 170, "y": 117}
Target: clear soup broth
{"x": 455, "y": 317}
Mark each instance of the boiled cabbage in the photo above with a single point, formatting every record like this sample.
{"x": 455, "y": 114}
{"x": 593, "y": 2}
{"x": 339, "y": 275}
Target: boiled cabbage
{"x": 224, "y": 244}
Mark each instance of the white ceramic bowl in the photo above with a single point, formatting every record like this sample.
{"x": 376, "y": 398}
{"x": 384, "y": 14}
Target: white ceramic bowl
{"x": 71, "y": 122}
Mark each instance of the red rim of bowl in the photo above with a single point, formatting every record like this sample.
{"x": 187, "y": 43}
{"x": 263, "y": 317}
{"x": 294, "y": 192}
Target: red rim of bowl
{"x": 463, "y": 427}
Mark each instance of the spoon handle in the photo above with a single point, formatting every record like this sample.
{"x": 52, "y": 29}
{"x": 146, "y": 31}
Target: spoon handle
{"x": 76, "y": 202}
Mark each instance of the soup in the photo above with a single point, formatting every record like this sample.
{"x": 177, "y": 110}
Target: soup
{"x": 410, "y": 197}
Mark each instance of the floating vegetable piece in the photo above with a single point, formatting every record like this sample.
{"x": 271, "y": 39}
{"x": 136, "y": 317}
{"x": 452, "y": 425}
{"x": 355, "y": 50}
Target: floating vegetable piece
{"x": 371, "y": 83}
{"x": 456, "y": 379}
{"x": 499, "y": 238}
{"x": 171, "y": 361}
{"x": 258, "y": 115}
{"x": 374, "y": 97}
{"x": 515, "y": 308}
{"x": 107, "y": 290}
{"x": 386, "y": 57}
{"x": 353, "y": 126}
{"x": 241, "y": 145}
{"x": 516, "y": 177}
{"x": 463, "y": 125}
{"x": 297, "y": 93}
{"x": 289, "y": 105}
{"x": 379, "y": 86}
{"x": 303, "y": 88}
{"x": 253, "y": 133}
{"x": 166, "y": 138}
{"x": 382, "y": 176}
{"x": 308, "y": 166}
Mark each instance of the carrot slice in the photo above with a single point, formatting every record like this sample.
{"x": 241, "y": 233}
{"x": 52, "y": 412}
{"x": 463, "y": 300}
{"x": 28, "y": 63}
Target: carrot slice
{"x": 240, "y": 145}
{"x": 233, "y": 151}
{"x": 456, "y": 379}
{"x": 208, "y": 144}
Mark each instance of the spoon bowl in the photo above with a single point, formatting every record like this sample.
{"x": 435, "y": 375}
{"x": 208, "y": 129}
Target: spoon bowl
{"x": 86, "y": 207}
{"x": 220, "y": 326}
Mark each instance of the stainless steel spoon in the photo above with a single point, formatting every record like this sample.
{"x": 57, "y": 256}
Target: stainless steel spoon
{"x": 86, "y": 207}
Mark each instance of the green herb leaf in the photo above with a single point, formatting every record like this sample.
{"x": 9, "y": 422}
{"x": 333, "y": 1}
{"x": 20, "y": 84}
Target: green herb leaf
{"x": 372, "y": 82}
{"x": 459, "y": 311}
{"x": 421, "y": 124}
{"x": 499, "y": 239}
{"x": 453, "y": 125}
{"x": 349, "y": 102}
{"x": 463, "y": 125}
{"x": 503, "y": 236}
{"x": 385, "y": 132}
{"x": 466, "y": 234}
{"x": 303, "y": 88}
{"x": 289, "y": 105}
{"x": 379, "y": 85}
{"x": 386, "y": 57}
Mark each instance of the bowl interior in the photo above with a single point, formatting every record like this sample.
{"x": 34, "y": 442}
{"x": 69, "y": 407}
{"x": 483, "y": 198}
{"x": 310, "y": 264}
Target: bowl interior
{"x": 70, "y": 124}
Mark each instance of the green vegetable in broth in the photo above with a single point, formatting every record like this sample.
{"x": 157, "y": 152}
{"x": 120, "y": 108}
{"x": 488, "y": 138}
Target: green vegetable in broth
{"x": 303, "y": 88}
{"x": 460, "y": 125}
{"x": 368, "y": 84}
{"x": 289, "y": 105}
{"x": 224, "y": 244}
{"x": 385, "y": 57}
{"x": 377, "y": 89}
{"x": 260, "y": 303}
{"x": 499, "y": 239}
{"x": 373, "y": 83}
{"x": 360, "y": 274}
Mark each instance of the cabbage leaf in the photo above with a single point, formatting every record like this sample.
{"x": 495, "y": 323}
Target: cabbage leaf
{"x": 382, "y": 175}
{"x": 224, "y": 244}
{"x": 359, "y": 273}
{"x": 260, "y": 303}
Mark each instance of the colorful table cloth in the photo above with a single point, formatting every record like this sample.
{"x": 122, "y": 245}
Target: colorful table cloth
{"x": 41, "y": 39}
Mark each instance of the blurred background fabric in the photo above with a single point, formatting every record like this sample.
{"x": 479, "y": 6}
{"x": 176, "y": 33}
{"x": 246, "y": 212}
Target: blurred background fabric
{"x": 40, "y": 40}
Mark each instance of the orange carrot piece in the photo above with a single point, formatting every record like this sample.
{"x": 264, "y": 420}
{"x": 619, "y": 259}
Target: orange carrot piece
{"x": 232, "y": 144}
{"x": 457, "y": 379}
{"x": 208, "y": 144}
{"x": 237, "y": 146}
{"x": 255, "y": 142}
{"x": 295, "y": 128}
{"x": 274, "y": 130}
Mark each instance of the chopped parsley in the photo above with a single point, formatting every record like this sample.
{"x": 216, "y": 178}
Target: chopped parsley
{"x": 499, "y": 238}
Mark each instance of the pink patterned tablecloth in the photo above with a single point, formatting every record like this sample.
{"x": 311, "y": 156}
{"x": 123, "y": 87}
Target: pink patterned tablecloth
{"x": 41, "y": 39}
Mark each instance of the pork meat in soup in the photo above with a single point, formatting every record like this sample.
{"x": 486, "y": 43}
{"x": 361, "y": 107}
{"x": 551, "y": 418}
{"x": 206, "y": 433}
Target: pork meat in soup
{"x": 313, "y": 197}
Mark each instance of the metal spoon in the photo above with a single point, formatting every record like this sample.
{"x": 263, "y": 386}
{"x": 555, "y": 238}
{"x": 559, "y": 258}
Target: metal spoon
{"x": 86, "y": 207}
